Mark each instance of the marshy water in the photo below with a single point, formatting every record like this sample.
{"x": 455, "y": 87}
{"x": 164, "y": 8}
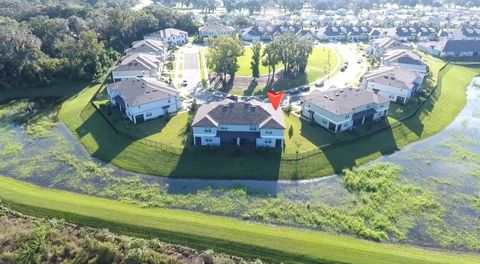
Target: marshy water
{"x": 446, "y": 164}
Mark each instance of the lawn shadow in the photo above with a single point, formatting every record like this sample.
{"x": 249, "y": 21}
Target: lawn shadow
{"x": 228, "y": 162}
{"x": 349, "y": 151}
{"x": 108, "y": 142}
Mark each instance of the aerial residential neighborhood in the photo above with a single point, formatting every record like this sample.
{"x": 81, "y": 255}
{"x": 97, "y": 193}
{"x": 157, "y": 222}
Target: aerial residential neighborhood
{"x": 239, "y": 131}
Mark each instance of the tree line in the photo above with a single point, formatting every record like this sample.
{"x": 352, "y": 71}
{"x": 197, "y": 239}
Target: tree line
{"x": 317, "y": 5}
{"x": 46, "y": 42}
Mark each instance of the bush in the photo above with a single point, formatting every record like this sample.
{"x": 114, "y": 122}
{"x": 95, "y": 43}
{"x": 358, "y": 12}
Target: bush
{"x": 106, "y": 253}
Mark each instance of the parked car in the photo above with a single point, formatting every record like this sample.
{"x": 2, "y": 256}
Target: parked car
{"x": 294, "y": 91}
{"x": 359, "y": 61}
{"x": 232, "y": 97}
{"x": 320, "y": 84}
{"x": 343, "y": 69}
{"x": 305, "y": 88}
{"x": 184, "y": 83}
{"x": 217, "y": 94}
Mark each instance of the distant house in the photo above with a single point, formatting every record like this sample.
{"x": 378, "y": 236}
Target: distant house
{"x": 251, "y": 34}
{"x": 465, "y": 33}
{"x": 396, "y": 84}
{"x": 350, "y": 33}
{"x": 451, "y": 48}
{"x": 170, "y": 36}
{"x": 210, "y": 31}
{"x": 306, "y": 34}
{"x": 379, "y": 46}
{"x": 213, "y": 20}
{"x": 251, "y": 123}
{"x": 415, "y": 33}
{"x": 142, "y": 99}
{"x": 148, "y": 46}
{"x": 137, "y": 65}
{"x": 344, "y": 109}
{"x": 404, "y": 59}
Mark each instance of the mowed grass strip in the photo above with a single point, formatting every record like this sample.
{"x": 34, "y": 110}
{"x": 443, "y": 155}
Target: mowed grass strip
{"x": 277, "y": 244}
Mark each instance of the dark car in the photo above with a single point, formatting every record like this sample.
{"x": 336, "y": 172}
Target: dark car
{"x": 305, "y": 88}
{"x": 343, "y": 69}
{"x": 233, "y": 97}
{"x": 294, "y": 91}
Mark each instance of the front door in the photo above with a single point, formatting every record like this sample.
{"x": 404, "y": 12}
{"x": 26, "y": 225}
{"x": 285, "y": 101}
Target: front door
{"x": 139, "y": 119}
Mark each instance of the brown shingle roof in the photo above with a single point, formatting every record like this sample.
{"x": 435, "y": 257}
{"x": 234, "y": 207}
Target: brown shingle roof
{"x": 343, "y": 101}
{"x": 138, "y": 91}
{"x": 228, "y": 112}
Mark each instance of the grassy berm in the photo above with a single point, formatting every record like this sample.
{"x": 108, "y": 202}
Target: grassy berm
{"x": 27, "y": 239}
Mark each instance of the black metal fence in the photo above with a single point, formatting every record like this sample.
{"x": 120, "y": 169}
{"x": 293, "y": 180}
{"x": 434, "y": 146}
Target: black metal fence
{"x": 92, "y": 108}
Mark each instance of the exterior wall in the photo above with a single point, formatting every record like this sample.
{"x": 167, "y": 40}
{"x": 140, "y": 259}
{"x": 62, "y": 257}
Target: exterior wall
{"x": 248, "y": 37}
{"x": 150, "y": 110}
{"x": 391, "y": 92}
{"x": 154, "y": 109}
{"x": 208, "y": 136}
{"x": 342, "y": 122}
{"x": 175, "y": 40}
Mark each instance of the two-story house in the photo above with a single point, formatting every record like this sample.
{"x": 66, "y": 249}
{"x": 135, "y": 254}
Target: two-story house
{"x": 228, "y": 122}
{"x": 379, "y": 46}
{"x": 170, "y": 36}
{"x": 396, "y": 84}
{"x": 344, "y": 109}
{"x": 404, "y": 59}
{"x": 137, "y": 65}
{"x": 148, "y": 46}
{"x": 142, "y": 99}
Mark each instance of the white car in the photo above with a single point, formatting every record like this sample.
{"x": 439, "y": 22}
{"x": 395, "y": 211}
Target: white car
{"x": 217, "y": 94}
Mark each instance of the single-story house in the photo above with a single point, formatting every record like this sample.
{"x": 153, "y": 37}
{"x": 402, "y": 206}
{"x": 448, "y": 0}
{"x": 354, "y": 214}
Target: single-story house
{"x": 396, "y": 84}
{"x": 170, "y": 36}
{"x": 451, "y": 48}
{"x": 148, "y": 46}
{"x": 142, "y": 99}
{"x": 344, "y": 109}
{"x": 137, "y": 65}
{"x": 252, "y": 123}
{"x": 214, "y": 30}
{"x": 405, "y": 59}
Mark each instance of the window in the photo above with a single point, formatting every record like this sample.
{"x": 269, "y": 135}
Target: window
{"x": 148, "y": 114}
{"x": 223, "y": 128}
{"x": 268, "y": 141}
{"x": 347, "y": 116}
{"x": 325, "y": 122}
{"x": 268, "y": 132}
{"x": 168, "y": 100}
{"x": 252, "y": 128}
{"x": 208, "y": 130}
{"x": 208, "y": 140}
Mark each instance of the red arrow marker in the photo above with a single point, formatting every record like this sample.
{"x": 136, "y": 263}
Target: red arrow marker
{"x": 275, "y": 98}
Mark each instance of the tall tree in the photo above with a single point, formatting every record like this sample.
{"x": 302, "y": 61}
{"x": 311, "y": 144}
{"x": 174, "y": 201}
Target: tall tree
{"x": 223, "y": 55}
{"x": 271, "y": 57}
{"x": 255, "y": 63}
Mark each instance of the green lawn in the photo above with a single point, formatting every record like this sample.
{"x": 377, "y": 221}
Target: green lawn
{"x": 275, "y": 244}
{"x": 100, "y": 140}
{"x": 244, "y": 64}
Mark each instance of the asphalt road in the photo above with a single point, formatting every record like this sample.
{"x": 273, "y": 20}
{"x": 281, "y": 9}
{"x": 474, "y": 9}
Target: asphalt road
{"x": 191, "y": 69}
